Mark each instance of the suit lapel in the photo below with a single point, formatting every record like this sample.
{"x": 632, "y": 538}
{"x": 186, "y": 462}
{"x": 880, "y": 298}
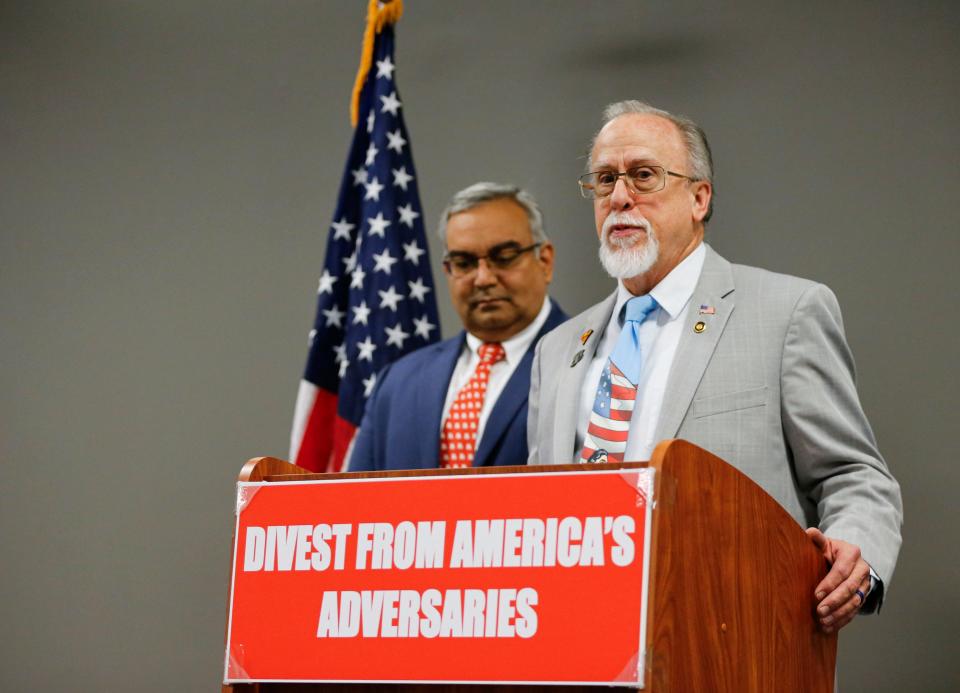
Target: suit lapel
{"x": 513, "y": 396}
{"x": 571, "y": 379}
{"x": 715, "y": 289}
{"x": 431, "y": 391}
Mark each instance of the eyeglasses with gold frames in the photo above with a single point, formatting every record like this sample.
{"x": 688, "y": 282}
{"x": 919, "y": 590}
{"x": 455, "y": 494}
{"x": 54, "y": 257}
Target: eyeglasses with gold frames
{"x": 642, "y": 180}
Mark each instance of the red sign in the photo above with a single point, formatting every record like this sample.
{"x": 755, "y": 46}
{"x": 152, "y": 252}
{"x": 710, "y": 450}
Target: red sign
{"x": 533, "y": 578}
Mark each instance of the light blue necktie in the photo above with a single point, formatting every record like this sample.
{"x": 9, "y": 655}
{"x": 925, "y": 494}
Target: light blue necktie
{"x": 626, "y": 353}
{"x": 606, "y": 439}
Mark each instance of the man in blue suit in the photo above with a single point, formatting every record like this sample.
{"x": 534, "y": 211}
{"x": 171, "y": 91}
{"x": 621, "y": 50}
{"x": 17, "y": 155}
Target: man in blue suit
{"x": 463, "y": 402}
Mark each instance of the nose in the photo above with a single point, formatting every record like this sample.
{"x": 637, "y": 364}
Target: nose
{"x": 484, "y": 275}
{"x": 621, "y": 199}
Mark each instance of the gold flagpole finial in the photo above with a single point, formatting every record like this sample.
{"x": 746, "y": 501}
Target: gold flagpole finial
{"x": 379, "y": 14}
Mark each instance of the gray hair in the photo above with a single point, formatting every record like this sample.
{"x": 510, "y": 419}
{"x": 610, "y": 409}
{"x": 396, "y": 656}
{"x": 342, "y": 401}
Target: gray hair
{"x": 478, "y": 193}
{"x": 698, "y": 149}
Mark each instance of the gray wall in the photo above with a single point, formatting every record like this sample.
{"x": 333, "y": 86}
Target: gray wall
{"x": 167, "y": 175}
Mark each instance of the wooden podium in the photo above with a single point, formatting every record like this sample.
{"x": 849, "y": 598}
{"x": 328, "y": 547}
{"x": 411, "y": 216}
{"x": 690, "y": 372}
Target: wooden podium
{"x": 732, "y": 578}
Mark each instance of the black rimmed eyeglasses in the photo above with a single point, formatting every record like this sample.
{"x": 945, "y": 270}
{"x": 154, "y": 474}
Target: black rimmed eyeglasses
{"x": 499, "y": 257}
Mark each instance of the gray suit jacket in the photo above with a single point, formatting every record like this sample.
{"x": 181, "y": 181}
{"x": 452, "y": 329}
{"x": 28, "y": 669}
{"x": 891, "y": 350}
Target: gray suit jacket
{"x": 768, "y": 386}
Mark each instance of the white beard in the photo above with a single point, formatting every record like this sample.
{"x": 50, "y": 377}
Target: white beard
{"x": 625, "y": 258}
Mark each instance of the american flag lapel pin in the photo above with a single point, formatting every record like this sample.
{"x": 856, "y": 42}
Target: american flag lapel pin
{"x": 707, "y": 310}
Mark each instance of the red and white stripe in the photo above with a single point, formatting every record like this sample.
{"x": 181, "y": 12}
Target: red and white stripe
{"x": 610, "y": 431}
{"x": 319, "y": 440}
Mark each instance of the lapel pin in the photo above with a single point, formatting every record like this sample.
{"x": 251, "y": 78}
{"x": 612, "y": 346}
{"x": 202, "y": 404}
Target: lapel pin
{"x": 585, "y": 336}
{"x": 700, "y": 327}
{"x": 707, "y": 310}
{"x": 576, "y": 358}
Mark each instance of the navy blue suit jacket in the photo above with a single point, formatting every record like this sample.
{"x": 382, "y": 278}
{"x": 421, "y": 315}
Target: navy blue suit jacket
{"x": 401, "y": 422}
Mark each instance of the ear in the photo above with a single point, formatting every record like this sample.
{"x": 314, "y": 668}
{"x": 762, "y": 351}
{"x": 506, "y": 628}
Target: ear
{"x": 546, "y": 260}
{"x": 702, "y": 194}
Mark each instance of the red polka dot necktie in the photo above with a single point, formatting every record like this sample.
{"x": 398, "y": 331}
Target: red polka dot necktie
{"x": 458, "y": 441}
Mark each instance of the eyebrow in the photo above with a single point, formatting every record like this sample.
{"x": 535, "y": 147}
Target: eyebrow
{"x": 499, "y": 246}
{"x": 630, "y": 163}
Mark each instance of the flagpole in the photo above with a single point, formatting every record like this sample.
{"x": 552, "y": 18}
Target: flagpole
{"x": 379, "y": 14}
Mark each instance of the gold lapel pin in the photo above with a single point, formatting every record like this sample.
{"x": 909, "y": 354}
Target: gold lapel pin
{"x": 700, "y": 327}
{"x": 585, "y": 336}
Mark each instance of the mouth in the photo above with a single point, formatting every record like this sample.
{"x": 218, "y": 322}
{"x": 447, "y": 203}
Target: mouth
{"x": 625, "y": 230}
{"x": 487, "y": 303}
{"x": 623, "y": 236}
{"x": 621, "y": 230}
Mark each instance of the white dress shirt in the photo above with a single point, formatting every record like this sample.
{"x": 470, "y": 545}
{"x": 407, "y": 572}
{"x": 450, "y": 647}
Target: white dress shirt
{"x": 659, "y": 337}
{"x": 500, "y": 372}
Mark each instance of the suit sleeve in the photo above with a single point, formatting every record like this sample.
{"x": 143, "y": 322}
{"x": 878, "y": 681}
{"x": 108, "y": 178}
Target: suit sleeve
{"x": 533, "y": 409}
{"x": 365, "y": 456}
{"x": 835, "y": 454}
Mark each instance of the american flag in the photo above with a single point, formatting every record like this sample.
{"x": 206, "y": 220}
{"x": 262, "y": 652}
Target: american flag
{"x": 610, "y": 419}
{"x": 375, "y": 299}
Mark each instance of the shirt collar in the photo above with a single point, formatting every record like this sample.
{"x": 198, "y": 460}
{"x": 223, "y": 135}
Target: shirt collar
{"x": 674, "y": 291}
{"x": 517, "y": 345}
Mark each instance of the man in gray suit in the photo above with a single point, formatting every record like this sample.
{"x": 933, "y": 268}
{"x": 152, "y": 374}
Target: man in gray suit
{"x": 751, "y": 365}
